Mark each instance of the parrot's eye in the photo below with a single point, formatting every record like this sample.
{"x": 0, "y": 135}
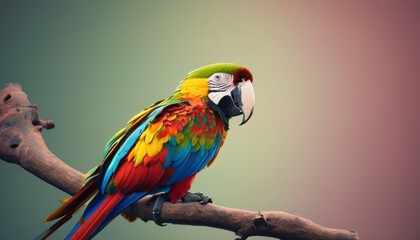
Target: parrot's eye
{"x": 217, "y": 77}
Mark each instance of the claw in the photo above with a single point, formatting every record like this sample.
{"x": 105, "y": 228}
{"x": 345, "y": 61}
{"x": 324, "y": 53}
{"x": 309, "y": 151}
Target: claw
{"x": 157, "y": 208}
{"x": 197, "y": 197}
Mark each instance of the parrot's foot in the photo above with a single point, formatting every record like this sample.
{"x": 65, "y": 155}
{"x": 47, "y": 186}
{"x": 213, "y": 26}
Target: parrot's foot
{"x": 164, "y": 197}
{"x": 197, "y": 197}
{"x": 157, "y": 208}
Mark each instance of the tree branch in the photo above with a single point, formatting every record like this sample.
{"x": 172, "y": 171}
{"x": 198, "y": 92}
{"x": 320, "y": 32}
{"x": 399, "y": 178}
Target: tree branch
{"x": 21, "y": 143}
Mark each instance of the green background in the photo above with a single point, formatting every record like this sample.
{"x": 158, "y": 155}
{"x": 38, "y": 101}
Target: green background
{"x": 334, "y": 136}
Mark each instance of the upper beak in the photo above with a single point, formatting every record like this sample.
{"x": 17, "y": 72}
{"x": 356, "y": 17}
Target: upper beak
{"x": 244, "y": 99}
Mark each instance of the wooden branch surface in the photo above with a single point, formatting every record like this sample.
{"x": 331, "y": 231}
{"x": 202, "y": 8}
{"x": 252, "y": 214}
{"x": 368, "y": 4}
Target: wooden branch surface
{"x": 21, "y": 143}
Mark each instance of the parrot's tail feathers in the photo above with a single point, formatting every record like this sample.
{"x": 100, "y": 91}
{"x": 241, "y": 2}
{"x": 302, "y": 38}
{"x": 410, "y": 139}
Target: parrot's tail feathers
{"x": 74, "y": 203}
{"x": 53, "y": 228}
{"x": 64, "y": 200}
{"x": 69, "y": 207}
{"x": 119, "y": 208}
{"x": 99, "y": 214}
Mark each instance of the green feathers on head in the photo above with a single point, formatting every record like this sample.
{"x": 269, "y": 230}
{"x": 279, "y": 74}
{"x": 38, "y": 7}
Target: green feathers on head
{"x": 207, "y": 71}
{"x": 195, "y": 85}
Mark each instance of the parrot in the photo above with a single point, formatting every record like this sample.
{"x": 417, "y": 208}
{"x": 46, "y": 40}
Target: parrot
{"x": 161, "y": 149}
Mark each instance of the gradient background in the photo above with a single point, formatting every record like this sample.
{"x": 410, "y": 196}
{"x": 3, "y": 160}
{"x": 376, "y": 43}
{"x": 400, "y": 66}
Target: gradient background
{"x": 334, "y": 137}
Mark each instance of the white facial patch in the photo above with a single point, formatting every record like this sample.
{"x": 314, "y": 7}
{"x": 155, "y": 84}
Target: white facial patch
{"x": 220, "y": 82}
{"x": 216, "y": 96}
{"x": 220, "y": 85}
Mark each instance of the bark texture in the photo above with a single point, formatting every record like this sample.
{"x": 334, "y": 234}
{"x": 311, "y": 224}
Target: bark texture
{"x": 21, "y": 143}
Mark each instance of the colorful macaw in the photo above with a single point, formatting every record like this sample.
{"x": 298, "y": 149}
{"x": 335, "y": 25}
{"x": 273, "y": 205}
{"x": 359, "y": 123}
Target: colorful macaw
{"x": 161, "y": 149}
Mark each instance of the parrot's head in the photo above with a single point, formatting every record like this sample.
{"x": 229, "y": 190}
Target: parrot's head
{"x": 226, "y": 87}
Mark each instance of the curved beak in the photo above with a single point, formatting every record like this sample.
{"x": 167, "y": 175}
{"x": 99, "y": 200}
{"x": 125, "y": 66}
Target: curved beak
{"x": 244, "y": 98}
{"x": 239, "y": 101}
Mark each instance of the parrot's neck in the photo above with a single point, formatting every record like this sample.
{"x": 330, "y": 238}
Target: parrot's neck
{"x": 220, "y": 112}
{"x": 192, "y": 88}
{"x": 205, "y": 102}
{"x": 195, "y": 91}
